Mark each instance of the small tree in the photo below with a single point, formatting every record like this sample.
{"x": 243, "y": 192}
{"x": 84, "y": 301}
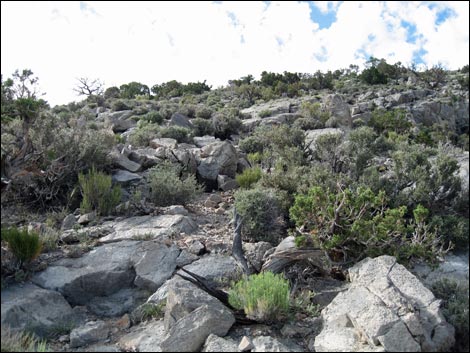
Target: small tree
{"x": 88, "y": 87}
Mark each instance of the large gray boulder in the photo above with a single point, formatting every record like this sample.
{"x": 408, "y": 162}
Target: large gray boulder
{"x": 109, "y": 269}
{"x": 215, "y": 343}
{"x": 101, "y": 272}
{"x": 91, "y": 332}
{"x": 178, "y": 119}
{"x": 339, "y": 109}
{"x": 275, "y": 107}
{"x": 156, "y": 266}
{"x": 29, "y": 307}
{"x": 215, "y": 267}
{"x": 144, "y": 338}
{"x": 121, "y": 161}
{"x": 386, "y": 308}
{"x": 217, "y": 158}
{"x": 123, "y": 177}
{"x": 119, "y": 121}
{"x": 149, "y": 227}
{"x": 311, "y": 136}
{"x": 191, "y": 315}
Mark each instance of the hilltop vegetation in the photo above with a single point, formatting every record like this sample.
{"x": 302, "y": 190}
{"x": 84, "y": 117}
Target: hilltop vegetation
{"x": 366, "y": 203}
{"x": 351, "y": 163}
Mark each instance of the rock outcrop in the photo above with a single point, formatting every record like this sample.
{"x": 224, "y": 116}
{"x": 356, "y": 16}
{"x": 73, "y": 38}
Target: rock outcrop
{"x": 386, "y": 308}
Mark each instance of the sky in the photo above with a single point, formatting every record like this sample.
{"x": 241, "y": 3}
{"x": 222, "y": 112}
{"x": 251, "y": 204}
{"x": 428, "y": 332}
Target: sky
{"x": 155, "y": 42}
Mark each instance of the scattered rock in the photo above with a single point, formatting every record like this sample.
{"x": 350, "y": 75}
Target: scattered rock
{"x": 245, "y": 344}
{"x": 121, "y": 161}
{"x": 219, "y": 344}
{"x": 215, "y": 267}
{"x": 144, "y": 338}
{"x": 29, "y": 307}
{"x": 164, "y": 142}
{"x": 178, "y": 119}
{"x": 226, "y": 183}
{"x": 87, "y": 218}
{"x": 91, "y": 332}
{"x": 68, "y": 222}
{"x": 123, "y": 177}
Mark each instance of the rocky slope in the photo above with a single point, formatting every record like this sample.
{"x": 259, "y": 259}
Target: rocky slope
{"x": 91, "y": 293}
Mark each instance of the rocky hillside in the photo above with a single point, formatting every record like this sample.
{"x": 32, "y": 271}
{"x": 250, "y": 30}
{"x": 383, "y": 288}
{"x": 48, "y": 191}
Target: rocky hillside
{"x": 148, "y": 210}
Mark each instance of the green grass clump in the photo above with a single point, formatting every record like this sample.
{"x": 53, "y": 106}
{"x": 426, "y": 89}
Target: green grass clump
{"x": 26, "y": 246}
{"x": 248, "y": 177}
{"x": 21, "y": 342}
{"x": 98, "y": 193}
{"x": 264, "y": 297}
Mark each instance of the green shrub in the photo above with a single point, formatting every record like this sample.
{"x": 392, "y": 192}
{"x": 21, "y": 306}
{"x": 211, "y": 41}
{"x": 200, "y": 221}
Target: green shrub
{"x": 264, "y": 113}
{"x": 204, "y": 112}
{"x": 248, "y": 177}
{"x": 314, "y": 112}
{"x": 264, "y": 297}
{"x": 455, "y": 309}
{"x": 153, "y": 117}
{"x": 385, "y": 122}
{"x": 260, "y": 212}
{"x": 251, "y": 144}
{"x": 144, "y": 133}
{"x": 178, "y": 133}
{"x": 202, "y": 127}
{"x": 308, "y": 124}
{"x": 119, "y": 105}
{"x": 225, "y": 124}
{"x": 359, "y": 222}
{"x": 168, "y": 189}
{"x": 21, "y": 342}
{"x": 26, "y": 246}
{"x": 273, "y": 137}
{"x": 97, "y": 192}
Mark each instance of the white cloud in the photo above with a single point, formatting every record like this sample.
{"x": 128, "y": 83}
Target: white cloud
{"x": 154, "y": 42}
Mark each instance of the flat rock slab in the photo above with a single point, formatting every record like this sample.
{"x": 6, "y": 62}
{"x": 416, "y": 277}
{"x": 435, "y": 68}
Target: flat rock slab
{"x": 386, "y": 308}
{"x": 215, "y": 267}
{"x": 149, "y": 227}
{"x": 91, "y": 332}
{"x": 144, "y": 338}
{"x": 108, "y": 269}
{"x": 119, "y": 303}
{"x": 32, "y": 308}
{"x": 215, "y": 343}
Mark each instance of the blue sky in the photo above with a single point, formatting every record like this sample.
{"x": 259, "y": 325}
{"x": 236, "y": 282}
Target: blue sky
{"x": 154, "y": 42}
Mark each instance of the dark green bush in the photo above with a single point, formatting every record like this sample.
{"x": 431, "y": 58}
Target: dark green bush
{"x": 180, "y": 134}
{"x": 385, "y": 122}
{"x": 98, "y": 193}
{"x": 153, "y": 117}
{"x": 260, "y": 211}
{"x": 225, "y": 124}
{"x": 119, "y": 105}
{"x": 359, "y": 222}
{"x": 167, "y": 188}
{"x": 204, "y": 112}
{"x": 455, "y": 309}
{"x": 264, "y": 297}
{"x": 202, "y": 127}
{"x": 144, "y": 133}
{"x": 26, "y": 246}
